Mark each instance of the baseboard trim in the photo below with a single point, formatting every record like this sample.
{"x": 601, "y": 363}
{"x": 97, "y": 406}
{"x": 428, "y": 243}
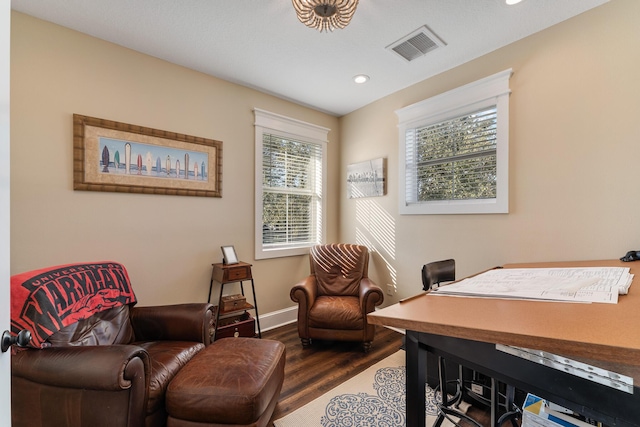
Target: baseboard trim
{"x": 278, "y": 318}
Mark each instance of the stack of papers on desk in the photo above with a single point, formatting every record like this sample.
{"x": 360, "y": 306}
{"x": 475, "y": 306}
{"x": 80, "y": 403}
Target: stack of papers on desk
{"x": 587, "y": 284}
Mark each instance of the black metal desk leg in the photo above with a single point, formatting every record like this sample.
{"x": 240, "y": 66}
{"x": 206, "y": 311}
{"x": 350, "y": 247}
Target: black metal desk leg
{"x": 416, "y": 361}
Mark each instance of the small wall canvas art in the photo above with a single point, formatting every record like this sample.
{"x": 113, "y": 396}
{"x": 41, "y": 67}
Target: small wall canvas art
{"x": 367, "y": 179}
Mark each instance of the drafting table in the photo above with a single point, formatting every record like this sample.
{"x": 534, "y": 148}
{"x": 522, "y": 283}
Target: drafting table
{"x": 466, "y": 330}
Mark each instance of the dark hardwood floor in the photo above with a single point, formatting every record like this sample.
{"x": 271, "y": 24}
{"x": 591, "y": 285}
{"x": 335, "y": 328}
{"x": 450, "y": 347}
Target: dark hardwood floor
{"x": 311, "y": 372}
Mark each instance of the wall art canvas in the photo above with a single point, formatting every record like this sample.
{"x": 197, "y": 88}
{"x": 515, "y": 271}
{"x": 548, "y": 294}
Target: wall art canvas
{"x": 367, "y": 179}
{"x": 113, "y": 156}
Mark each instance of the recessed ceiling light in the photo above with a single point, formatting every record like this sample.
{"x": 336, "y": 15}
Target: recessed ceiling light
{"x": 361, "y": 78}
{"x": 512, "y": 2}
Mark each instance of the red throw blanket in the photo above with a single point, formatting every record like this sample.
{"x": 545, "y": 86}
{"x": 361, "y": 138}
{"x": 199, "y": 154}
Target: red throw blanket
{"x": 44, "y": 301}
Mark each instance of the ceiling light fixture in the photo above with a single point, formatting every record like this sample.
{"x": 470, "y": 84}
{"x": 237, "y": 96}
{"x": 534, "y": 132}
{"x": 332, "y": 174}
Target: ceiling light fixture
{"x": 325, "y": 15}
{"x": 512, "y": 2}
{"x": 361, "y": 78}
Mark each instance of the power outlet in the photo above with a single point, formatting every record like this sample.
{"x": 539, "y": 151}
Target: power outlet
{"x": 391, "y": 289}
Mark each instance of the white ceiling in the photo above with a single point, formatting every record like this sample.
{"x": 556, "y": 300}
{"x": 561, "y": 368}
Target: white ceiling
{"x": 262, "y": 45}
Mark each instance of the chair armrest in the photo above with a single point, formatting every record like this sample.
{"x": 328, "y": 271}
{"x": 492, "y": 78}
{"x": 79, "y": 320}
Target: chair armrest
{"x": 304, "y": 293}
{"x": 370, "y": 295}
{"x": 179, "y": 322}
{"x": 113, "y": 367}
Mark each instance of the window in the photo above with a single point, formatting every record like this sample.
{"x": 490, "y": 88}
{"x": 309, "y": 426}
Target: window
{"x": 290, "y": 181}
{"x": 454, "y": 150}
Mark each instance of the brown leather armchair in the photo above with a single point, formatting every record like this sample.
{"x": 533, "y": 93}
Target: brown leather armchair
{"x": 109, "y": 369}
{"x": 82, "y": 380}
{"x": 333, "y": 301}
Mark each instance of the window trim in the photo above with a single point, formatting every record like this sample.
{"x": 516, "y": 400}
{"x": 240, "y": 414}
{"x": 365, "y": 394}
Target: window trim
{"x": 267, "y": 122}
{"x": 492, "y": 90}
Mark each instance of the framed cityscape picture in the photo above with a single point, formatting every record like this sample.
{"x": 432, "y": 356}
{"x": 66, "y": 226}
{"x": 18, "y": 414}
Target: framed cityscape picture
{"x": 113, "y": 156}
{"x": 367, "y": 179}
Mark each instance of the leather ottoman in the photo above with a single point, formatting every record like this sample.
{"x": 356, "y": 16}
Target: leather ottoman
{"x": 234, "y": 381}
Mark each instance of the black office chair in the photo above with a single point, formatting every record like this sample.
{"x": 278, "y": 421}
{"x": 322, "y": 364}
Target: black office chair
{"x": 433, "y": 274}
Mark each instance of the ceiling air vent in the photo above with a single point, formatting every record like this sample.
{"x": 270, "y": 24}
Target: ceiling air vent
{"x": 416, "y": 44}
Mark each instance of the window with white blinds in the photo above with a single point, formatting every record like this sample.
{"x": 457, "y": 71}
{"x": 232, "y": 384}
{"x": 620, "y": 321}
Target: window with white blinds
{"x": 454, "y": 150}
{"x": 454, "y": 159}
{"x": 289, "y": 190}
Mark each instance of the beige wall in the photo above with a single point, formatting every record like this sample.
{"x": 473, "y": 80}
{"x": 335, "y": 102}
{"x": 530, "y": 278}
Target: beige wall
{"x": 166, "y": 242}
{"x": 574, "y": 150}
{"x": 574, "y": 155}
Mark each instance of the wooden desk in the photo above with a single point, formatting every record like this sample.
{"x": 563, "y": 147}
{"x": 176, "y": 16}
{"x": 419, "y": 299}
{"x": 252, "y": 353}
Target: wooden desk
{"x": 467, "y": 329}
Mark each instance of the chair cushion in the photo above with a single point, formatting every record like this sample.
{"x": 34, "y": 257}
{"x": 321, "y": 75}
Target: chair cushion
{"x": 339, "y": 268}
{"x": 336, "y": 312}
{"x": 103, "y": 328}
{"x": 167, "y": 358}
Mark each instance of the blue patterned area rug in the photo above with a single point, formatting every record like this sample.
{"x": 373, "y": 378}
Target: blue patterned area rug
{"x": 375, "y": 397}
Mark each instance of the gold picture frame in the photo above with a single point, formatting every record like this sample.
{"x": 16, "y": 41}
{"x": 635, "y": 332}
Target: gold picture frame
{"x": 125, "y": 158}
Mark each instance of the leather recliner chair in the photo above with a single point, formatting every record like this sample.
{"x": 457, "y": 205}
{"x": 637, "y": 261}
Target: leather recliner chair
{"x": 110, "y": 369}
{"x": 335, "y": 298}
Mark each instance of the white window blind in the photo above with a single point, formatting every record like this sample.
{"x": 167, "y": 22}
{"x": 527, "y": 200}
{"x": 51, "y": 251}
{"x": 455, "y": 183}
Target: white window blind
{"x": 290, "y": 163}
{"x": 454, "y": 159}
{"x": 291, "y": 191}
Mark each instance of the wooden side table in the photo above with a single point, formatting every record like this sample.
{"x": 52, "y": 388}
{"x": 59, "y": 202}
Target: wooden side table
{"x": 233, "y": 273}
